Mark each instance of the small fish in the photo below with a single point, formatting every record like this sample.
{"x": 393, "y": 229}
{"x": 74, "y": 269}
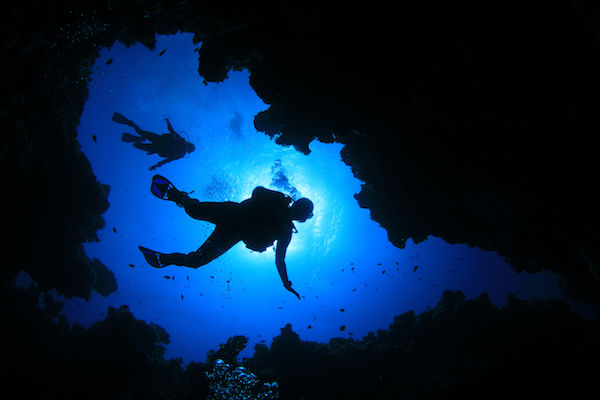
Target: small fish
{"x": 114, "y": 230}
{"x": 342, "y": 328}
{"x": 351, "y": 263}
{"x": 354, "y": 290}
{"x": 352, "y": 269}
{"x": 201, "y": 294}
{"x": 309, "y": 327}
{"x": 383, "y": 272}
{"x": 212, "y": 277}
{"x": 461, "y": 259}
{"x": 181, "y": 296}
{"x": 167, "y": 277}
{"x": 131, "y": 265}
{"x": 281, "y": 308}
{"x": 109, "y": 61}
{"x": 162, "y": 52}
{"x": 342, "y": 310}
{"x": 187, "y": 277}
{"x": 378, "y": 263}
{"x": 173, "y": 277}
{"x": 415, "y": 268}
{"x": 94, "y": 138}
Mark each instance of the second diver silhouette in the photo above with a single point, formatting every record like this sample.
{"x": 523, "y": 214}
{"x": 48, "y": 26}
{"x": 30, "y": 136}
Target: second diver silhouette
{"x": 170, "y": 146}
{"x": 259, "y": 221}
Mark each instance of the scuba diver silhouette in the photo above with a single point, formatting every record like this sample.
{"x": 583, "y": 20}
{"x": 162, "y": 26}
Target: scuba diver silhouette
{"x": 259, "y": 221}
{"x": 170, "y": 146}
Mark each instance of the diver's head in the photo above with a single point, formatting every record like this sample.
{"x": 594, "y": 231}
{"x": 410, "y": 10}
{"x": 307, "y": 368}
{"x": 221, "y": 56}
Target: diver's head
{"x": 189, "y": 147}
{"x": 302, "y": 209}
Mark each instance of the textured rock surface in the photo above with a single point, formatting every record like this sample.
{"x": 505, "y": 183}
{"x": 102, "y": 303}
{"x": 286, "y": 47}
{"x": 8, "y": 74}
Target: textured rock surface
{"x": 470, "y": 123}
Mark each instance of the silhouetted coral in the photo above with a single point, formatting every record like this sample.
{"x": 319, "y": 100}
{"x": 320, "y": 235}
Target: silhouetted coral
{"x": 460, "y": 349}
{"x": 235, "y": 383}
{"x": 229, "y": 351}
{"x": 104, "y": 279}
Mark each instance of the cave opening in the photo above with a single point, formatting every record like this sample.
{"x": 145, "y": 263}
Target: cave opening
{"x": 341, "y": 262}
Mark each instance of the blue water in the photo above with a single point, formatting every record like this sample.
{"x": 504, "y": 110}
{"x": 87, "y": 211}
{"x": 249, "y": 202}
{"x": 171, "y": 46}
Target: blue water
{"x": 340, "y": 261}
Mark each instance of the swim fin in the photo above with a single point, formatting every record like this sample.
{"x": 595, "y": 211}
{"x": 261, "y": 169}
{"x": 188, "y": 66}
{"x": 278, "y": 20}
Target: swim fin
{"x": 129, "y": 138}
{"x": 160, "y": 185}
{"x": 152, "y": 257}
{"x": 120, "y": 119}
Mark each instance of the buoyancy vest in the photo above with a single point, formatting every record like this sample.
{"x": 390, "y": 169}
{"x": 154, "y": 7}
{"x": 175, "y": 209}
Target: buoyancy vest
{"x": 267, "y": 218}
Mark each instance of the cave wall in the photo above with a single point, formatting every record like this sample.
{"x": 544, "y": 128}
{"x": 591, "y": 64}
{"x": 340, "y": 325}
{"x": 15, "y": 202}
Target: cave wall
{"x": 473, "y": 123}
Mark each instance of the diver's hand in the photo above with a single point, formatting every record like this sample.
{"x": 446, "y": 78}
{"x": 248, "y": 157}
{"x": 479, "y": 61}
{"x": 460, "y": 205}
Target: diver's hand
{"x": 288, "y": 286}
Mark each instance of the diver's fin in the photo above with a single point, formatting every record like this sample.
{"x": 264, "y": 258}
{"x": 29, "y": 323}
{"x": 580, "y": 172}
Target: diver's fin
{"x": 120, "y": 119}
{"x": 151, "y": 257}
{"x": 129, "y": 138}
{"x": 160, "y": 185}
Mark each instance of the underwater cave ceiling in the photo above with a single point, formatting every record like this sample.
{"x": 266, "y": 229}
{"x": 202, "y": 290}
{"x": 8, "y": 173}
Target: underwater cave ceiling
{"x": 474, "y": 127}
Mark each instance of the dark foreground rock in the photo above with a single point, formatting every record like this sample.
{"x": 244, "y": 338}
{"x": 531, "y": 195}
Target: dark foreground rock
{"x": 460, "y": 349}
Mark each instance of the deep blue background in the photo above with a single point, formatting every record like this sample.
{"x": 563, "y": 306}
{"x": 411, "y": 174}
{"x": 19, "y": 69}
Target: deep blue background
{"x": 340, "y": 261}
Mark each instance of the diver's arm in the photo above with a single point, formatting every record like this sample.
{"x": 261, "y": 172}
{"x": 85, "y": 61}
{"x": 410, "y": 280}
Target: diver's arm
{"x": 170, "y": 128}
{"x": 280, "y": 250}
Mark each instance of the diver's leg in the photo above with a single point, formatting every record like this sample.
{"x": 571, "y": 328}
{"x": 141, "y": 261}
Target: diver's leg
{"x": 206, "y": 210}
{"x": 129, "y": 138}
{"x": 216, "y": 245}
{"x": 121, "y": 119}
{"x": 147, "y": 147}
{"x": 215, "y": 212}
{"x": 145, "y": 134}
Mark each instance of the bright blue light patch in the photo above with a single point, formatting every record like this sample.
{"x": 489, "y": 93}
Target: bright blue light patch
{"x": 339, "y": 261}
